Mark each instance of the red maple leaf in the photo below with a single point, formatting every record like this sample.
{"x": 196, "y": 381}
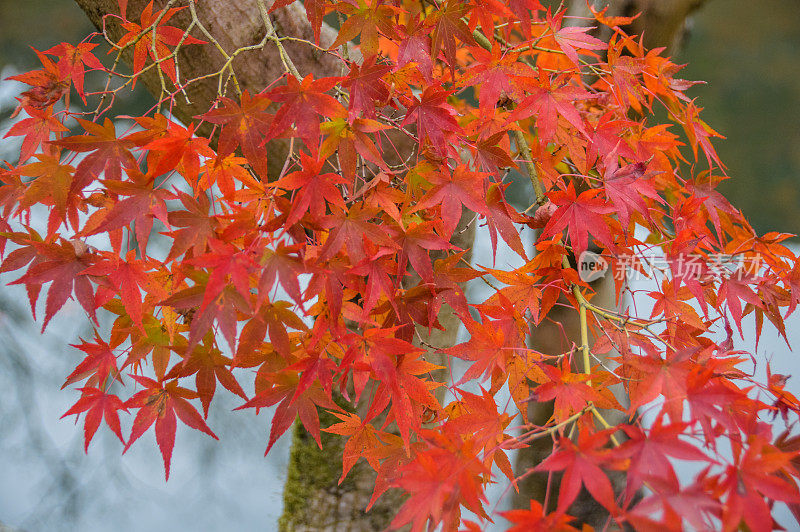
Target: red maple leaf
{"x": 154, "y": 38}
{"x": 281, "y": 391}
{"x": 368, "y": 90}
{"x": 550, "y": 99}
{"x": 314, "y": 190}
{"x": 453, "y": 190}
{"x": 36, "y": 130}
{"x": 73, "y": 60}
{"x": 535, "y": 520}
{"x": 159, "y": 403}
{"x": 303, "y": 102}
{"x": 580, "y": 214}
{"x": 435, "y": 118}
{"x": 65, "y": 264}
{"x": 246, "y": 125}
{"x": 106, "y": 152}
{"x": 98, "y": 405}
{"x": 581, "y": 465}
{"x": 573, "y": 38}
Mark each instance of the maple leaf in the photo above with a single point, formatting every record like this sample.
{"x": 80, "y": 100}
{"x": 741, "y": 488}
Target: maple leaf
{"x": 128, "y": 277}
{"x": 66, "y": 265}
{"x": 152, "y": 37}
{"x": 523, "y": 290}
{"x": 36, "y": 130}
{"x": 208, "y": 365}
{"x": 490, "y": 156}
{"x": 367, "y": 88}
{"x": 379, "y": 283}
{"x": 573, "y": 38}
{"x": 283, "y": 264}
{"x": 649, "y": 451}
{"x": 416, "y": 241}
{"x": 735, "y": 292}
{"x": 435, "y": 118}
{"x": 754, "y": 477}
{"x": 52, "y": 186}
{"x": 350, "y": 138}
{"x": 73, "y": 60}
{"x": 447, "y": 26}
{"x": 476, "y": 417}
{"x": 369, "y": 20}
{"x": 302, "y": 103}
{"x": 535, "y": 520}
{"x": 245, "y": 125}
{"x": 351, "y": 230}
{"x": 178, "y": 149}
{"x": 671, "y": 301}
{"x": 487, "y": 347}
{"x": 548, "y": 100}
{"x": 107, "y": 152}
{"x": 579, "y": 214}
{"x": 651, "y": 376}
{"x": 395, "y": 365}
{"x": 522, "y": 10}
{"x": 313, "y": 190}
{"x": 613, "y": 21}
{"x": 438, "y": 480}
{"x": 699, "y": 134}
{"x": 571, "y": 392}
{"x": 362, "y": 440}
{"x": 99, "y": 364}
{"x": 220, "y": 306}
{"x": 144, "y": 203}
{"x": 453, "y": 190}
{"x": 496, "y": 74}
{"x": 500, "y": 218}
{"x": 415, "y": 46}
{"x": 626, "y": 188}
{"x": 581, "y": 465}
{"x": 281, "y": 391}
{"x": 159, "y": 403}
{"x": 690, "y": 503}
{"x": 197, "y": 228}
{"x": 98, "y": 405}
{"x": 48, "y": 85}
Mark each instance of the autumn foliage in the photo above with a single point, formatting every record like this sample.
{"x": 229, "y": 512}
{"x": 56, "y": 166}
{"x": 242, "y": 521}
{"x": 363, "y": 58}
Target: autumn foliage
{"x": 306, "y": 291}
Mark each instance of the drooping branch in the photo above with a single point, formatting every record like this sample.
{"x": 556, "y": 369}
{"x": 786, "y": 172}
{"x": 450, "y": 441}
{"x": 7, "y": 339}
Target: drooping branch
{"x": 661, "y": 24}
{"x": 249, "y": 50}
{"x": 239, "y": 45}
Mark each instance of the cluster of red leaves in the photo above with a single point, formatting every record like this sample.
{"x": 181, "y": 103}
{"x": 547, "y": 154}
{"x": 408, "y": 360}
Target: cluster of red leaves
{"x": 220, "y": 291}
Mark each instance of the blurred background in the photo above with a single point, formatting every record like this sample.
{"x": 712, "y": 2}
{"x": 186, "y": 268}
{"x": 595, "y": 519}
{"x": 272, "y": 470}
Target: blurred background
{"x": 749, "y": 55}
